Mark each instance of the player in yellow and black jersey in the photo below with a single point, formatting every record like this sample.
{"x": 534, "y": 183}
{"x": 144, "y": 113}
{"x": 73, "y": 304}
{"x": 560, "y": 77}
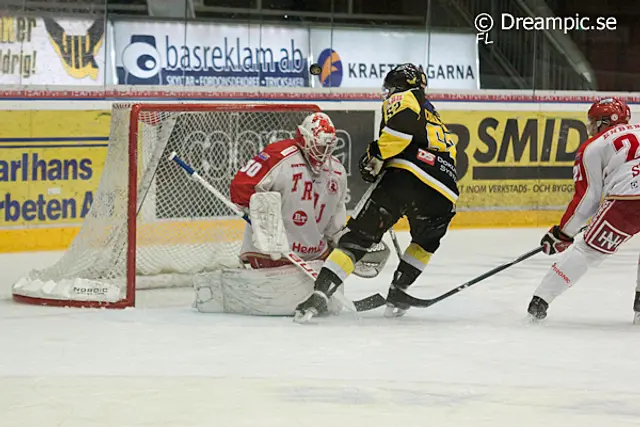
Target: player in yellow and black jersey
{"x": 413, "y": 166}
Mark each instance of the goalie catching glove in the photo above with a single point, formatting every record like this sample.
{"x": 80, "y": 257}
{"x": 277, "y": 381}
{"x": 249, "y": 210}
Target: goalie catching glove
{"x": 265, "y": 211}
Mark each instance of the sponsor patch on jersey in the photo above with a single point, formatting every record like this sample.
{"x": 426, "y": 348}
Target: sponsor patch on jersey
{"x": 289, "y": 150}
{"x": 300, "y": 218}
{"x": 298, "y": 165}
{"x": 263, "y": 156}
{"x": 300, "y": 248}
{"x": 332, "y": 186}
{"x": 606, "y": 238}
{"x": 426, "y": 157}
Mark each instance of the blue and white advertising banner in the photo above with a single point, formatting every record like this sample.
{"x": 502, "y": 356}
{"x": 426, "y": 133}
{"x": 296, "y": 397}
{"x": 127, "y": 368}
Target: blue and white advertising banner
{"x": 360, "y": 58}
{"x": 212, "y": 54}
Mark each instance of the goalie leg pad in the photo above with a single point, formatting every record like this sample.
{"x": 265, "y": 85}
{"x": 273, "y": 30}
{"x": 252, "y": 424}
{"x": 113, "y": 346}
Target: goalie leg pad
{"x": 373, "y": 261}
{"x": 263, "y": 292}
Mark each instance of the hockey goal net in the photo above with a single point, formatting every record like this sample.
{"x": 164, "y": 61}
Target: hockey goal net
{"x": 150, "y": 225}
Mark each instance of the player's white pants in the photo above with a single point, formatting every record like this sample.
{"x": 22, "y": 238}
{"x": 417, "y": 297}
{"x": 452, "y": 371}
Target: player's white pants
{"x": 569, "y": 269}
{"x": 266, "y": 291}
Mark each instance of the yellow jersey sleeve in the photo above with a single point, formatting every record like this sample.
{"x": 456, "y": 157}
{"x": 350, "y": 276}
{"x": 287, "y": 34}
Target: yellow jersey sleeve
{"x": 438, "y": 135}
{"x": 401, "y": 114}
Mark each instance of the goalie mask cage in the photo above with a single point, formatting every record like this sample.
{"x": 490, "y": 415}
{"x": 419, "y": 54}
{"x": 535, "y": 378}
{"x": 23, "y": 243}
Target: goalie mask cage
{"x": 150, "y": 225}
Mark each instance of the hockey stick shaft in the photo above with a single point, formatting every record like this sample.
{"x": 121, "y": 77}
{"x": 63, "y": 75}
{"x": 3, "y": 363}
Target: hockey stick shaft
{"x": 377, "y": 300}
{"x": 292, "y": 257}
{"x": 492, "y": 272}
{"x": 396, "y": 245}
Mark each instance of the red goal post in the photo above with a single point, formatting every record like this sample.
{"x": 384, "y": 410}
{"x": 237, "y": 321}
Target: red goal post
{"x": 149, "y": 225}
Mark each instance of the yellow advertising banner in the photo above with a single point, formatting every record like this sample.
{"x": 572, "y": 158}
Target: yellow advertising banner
{"x": 50, "y": 165}
{"x": 514, "y": 167}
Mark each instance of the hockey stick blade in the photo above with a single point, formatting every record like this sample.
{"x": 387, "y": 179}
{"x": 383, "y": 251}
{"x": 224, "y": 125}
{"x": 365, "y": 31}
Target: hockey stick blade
{"x": 370, "y": 303}
{"x": 377, "y": 300}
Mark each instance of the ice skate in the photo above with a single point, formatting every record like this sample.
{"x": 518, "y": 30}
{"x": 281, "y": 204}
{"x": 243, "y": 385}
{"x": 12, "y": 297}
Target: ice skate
{"x": 315, "y": 305}
{"x": 396, "y": 303}
{"x": 538, "y": 308}
{"x": 636, "y": 309}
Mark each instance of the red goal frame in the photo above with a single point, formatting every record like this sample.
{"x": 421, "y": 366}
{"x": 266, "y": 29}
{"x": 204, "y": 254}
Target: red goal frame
{"x": 136, "y": 110}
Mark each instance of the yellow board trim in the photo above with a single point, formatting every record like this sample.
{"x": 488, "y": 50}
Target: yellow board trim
{"x": 497, "y": 219}
{"x": 160, "y": 234}
{"x": 59, "y": 238}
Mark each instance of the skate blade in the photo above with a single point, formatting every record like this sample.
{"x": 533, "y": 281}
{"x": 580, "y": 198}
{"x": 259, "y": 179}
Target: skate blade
{"x": 533, "y": 320}
{"x": 391, "y": 312}
{"x": 302, "y": 318}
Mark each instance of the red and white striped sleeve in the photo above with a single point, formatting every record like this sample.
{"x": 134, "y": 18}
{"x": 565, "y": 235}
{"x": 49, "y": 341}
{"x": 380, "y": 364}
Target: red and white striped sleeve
{"x": 587, "y": 177}
{"x": 260, "y": 173}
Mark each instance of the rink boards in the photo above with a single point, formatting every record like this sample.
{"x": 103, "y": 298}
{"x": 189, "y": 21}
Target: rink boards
{"x": 514, "y": 160}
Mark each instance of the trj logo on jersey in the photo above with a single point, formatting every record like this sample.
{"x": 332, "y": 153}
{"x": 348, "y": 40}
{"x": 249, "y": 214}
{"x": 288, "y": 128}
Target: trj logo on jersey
{"x": 331, "y": 74}
{"x": 77, "y": 52}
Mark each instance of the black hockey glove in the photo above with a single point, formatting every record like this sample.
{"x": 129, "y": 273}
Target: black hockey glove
{"x": 555, "y": 241}
{"x": 371, "y": 163}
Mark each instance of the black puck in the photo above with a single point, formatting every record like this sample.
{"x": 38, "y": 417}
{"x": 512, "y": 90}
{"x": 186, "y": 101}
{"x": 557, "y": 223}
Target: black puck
{"x": 315, "y": 69}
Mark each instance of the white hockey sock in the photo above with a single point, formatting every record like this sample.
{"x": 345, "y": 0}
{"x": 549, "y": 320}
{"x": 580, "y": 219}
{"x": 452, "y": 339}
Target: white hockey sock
{"x": 564, "y": 273}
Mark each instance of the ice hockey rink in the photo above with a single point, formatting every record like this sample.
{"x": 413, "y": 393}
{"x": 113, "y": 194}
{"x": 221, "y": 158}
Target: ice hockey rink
{"x": 471, "y": 360}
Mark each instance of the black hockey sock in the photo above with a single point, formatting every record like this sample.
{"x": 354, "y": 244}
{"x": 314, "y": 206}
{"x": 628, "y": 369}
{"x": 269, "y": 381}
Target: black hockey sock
{"x": 405, "y": 275}
{"x": 327, "y": 282}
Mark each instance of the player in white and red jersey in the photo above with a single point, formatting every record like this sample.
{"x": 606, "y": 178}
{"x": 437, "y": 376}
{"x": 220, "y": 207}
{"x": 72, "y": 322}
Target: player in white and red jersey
{"x": 607, "y": 189}
{"x": 312, "y": 185}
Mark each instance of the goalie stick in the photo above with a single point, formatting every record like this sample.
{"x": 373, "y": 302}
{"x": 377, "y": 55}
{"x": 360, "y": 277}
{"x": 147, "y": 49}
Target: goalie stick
{"x": 377, "y": 300}
{"x": 295, "y": 259}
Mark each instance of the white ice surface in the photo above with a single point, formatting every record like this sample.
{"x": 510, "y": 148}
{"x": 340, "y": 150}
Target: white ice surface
{"x": 471, "y": 360}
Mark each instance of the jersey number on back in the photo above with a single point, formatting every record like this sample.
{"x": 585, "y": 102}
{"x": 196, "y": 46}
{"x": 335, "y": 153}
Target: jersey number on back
{"x": 438, "y": 135}
{"x": 629, "y": 142}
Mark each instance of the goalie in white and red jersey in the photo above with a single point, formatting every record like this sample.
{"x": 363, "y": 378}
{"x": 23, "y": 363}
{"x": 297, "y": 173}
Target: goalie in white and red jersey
{"x": 308, "y": 185}
{"x": 607, "y": 188}
{"x": 294, "y": 193}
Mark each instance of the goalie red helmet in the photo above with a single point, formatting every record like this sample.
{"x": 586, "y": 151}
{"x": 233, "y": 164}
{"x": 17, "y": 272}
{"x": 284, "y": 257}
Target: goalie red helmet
{"x": 605, "y": 113}
{"x": 316, "y": 137}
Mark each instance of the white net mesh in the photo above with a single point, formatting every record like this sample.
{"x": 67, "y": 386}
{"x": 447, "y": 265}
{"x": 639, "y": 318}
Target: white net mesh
{"x": 181, "y": 228}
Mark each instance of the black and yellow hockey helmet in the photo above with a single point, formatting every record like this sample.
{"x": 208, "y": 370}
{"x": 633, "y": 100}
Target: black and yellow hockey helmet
{"x": 404, "y": 77}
